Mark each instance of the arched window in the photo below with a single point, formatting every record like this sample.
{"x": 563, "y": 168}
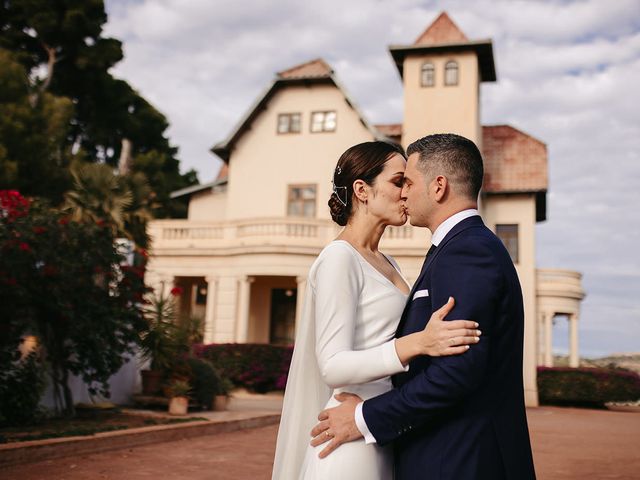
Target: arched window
{"x": 428, "y": 75}
{"x": 451, "y": 73}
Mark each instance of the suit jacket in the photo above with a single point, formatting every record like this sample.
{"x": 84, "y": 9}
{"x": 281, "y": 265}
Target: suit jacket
{"x": 461, "y": 417}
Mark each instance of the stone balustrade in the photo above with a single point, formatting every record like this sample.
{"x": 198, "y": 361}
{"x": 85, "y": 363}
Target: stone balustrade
{"x": 272, "y": 232}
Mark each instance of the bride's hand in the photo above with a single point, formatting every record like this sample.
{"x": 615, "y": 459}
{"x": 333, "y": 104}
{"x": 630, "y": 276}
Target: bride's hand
{"x": 442, "y": 337}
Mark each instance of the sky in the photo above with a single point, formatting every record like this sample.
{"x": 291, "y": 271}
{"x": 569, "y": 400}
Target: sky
{"x": 568, "y": 74}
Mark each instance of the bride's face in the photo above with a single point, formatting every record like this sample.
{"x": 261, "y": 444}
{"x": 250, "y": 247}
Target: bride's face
{"x": 385, "y": 199}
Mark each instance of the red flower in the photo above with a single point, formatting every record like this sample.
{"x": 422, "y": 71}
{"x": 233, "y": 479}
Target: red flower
{"x": 63, "y": 221}
{"x": 176, "y": 291}
{"x": 13, "y": 205}
{"x": 24, "y": 246}
{"x": 39, "y": 230}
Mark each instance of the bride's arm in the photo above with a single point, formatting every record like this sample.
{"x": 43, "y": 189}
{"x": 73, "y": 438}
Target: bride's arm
{"x": 338, "y": 284}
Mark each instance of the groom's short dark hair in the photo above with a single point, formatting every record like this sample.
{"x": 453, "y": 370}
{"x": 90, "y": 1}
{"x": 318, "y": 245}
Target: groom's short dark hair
{"x": 453, "y": 156}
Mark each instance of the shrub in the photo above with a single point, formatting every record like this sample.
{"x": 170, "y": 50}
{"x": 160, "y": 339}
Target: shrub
{"x": 205, "y": 382}
{"x": 586, "y": 386}
{"x": 21, "y": 387}
{"x": 68, "y": 284}
{"x": 257, "y": 367}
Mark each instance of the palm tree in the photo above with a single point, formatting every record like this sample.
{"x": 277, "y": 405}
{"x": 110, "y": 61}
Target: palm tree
{"x": 140, "y": 212}
{"x": 98, "y": 195}
{"x": 123, "y": 202}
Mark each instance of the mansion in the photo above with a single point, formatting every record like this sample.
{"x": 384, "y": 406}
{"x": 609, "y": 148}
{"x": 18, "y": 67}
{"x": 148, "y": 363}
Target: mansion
{"x": 243, "y": 254}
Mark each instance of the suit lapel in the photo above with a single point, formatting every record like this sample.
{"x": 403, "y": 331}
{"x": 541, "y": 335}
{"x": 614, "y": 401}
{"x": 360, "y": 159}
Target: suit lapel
{"x": 470, "y": 222}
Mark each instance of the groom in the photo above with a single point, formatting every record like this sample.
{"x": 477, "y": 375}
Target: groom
{"x": 459, "y": 417}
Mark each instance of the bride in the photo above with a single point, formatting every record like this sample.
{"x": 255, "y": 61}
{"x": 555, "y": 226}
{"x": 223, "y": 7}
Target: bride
{"x": 345, "y": 341}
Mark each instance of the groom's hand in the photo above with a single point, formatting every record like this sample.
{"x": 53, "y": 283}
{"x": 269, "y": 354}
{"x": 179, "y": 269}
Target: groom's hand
{"x": 337, "y": 425}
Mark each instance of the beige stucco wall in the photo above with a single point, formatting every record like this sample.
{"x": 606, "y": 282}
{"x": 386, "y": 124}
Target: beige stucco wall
{"x": 208, "y": 205}
{"x": 263, "y": 163}
{"x": 521, "y": 210}
{"x": 441, "y": 109}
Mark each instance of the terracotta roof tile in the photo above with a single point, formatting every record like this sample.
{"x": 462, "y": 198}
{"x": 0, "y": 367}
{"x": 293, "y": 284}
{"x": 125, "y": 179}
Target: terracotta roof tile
{"x": 313, "y": 69}
{"x": 441, "y": 31}
{"x": 392, "y": 130}
{"x": 513, "y": 160}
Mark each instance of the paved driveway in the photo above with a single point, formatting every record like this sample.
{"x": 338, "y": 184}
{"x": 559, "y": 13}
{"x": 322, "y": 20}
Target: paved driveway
{"x": 569, "y": 444}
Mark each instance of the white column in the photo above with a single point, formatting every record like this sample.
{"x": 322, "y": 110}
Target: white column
{"x": 244, "y": 297}
{"x": 574, "y": 358}
{"x": 548, "y": 340}
{"x": 210, "y": 309}
{"x": 302, "y": 286}
{"x": 540, "y": 339}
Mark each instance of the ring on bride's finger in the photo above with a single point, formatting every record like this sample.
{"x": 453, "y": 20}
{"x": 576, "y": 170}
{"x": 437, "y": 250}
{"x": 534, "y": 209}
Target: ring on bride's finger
{"x": 328, "y": 435}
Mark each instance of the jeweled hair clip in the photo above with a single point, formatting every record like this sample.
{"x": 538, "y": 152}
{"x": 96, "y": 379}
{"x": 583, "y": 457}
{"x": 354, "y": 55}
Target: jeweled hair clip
{"x": 337, "y": 191}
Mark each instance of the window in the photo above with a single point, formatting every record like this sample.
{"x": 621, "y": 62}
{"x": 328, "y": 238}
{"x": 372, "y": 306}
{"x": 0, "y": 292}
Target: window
{"x": 428, "y": 76}
{"x": 323, "y": 122}
{"x": 302, "y": 201}
{"x": 509, "y": 236}
{"x": 451, "y": 73}
{"x": 289, "y": 123}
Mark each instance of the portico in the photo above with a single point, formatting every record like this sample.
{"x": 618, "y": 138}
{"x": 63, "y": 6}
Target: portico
{"x": 559, "y": 293}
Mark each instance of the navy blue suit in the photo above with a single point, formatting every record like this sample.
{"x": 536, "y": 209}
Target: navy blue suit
{"x": 461, "y": 417}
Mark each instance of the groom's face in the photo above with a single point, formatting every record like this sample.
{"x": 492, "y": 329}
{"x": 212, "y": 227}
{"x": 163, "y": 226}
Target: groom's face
{"x": 415, "y": 193}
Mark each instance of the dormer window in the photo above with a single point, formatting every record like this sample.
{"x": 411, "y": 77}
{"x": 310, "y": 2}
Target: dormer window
{"x": 289, "y": 123}
{"x": 323, "y": 121}
{"x": 451, "y": 73}
{"x": 428, "y": 75}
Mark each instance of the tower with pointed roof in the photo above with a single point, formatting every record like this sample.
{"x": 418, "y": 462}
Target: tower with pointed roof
{"x": 441, "y": 75}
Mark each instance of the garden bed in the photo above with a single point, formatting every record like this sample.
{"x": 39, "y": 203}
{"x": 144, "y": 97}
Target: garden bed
{"x": 85, "y": 423}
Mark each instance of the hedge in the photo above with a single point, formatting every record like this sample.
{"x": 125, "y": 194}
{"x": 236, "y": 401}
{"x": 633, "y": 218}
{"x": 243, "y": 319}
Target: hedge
{"x": 591, "y": 387}
{"x": 257, "y": 367}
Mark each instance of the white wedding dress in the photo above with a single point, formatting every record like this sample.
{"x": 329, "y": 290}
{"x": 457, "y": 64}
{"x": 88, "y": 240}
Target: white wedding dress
{"x": 344, "y": 343}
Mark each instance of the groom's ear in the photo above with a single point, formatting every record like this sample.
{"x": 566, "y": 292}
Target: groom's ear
{"x": 440, "y": 186}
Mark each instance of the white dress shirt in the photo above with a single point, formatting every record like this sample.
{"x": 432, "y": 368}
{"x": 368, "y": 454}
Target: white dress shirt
{"x": 443, "y": 229}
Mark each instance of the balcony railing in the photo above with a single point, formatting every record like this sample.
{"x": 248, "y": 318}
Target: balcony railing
{"x": 181, "y": 234}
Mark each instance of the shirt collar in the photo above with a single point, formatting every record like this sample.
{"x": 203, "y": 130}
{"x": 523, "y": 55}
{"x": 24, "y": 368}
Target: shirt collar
{"x": 446, "y": 226}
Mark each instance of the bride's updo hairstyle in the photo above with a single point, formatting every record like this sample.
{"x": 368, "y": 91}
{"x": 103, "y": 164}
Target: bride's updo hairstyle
{"x": 365, "y": 162}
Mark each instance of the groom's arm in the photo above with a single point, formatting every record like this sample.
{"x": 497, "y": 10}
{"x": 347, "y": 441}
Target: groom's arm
{"x": 468, "y": 271}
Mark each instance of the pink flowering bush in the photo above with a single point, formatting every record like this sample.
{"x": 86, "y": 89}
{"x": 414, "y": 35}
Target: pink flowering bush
{"x": 257, "y": 367}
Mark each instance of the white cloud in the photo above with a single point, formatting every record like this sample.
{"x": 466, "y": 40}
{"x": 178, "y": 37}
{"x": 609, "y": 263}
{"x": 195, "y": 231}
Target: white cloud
{"x": 568, "y": 73}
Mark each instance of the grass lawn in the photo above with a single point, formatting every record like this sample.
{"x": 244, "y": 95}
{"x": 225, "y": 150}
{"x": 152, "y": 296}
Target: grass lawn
{"x": 85, "y": 423}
